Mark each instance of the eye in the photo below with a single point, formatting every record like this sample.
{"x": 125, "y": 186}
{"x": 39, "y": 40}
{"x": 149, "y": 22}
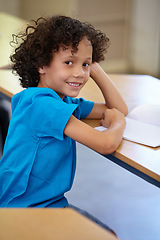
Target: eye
{"x": 86, "y": 64}
{"x": 69, "y": 62}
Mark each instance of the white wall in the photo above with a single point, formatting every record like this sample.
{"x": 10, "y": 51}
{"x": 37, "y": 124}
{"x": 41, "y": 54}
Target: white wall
{"x": 32, "y": 9}
{"x": 145, "y": 37}
{"x": 132, "y": 25}
{"x": 10, "y": 6}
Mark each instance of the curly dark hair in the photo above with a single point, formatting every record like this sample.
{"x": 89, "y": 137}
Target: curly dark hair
{"x": 46, "y": 36}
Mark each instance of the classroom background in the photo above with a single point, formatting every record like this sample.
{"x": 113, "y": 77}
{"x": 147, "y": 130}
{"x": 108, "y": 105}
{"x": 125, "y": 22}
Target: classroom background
{"x": 122, "y": 200}
{"x": 133, "y": 27}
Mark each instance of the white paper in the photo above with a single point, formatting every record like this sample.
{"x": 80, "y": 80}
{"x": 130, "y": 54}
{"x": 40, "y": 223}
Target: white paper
{"x": 148, "y": 113}
{"x": 140, "y": 131}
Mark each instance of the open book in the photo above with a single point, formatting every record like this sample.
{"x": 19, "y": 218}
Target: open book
{"x": 142, "y": 125}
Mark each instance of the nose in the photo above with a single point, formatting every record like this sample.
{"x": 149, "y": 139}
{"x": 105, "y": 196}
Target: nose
{"x": 78, "y": 72}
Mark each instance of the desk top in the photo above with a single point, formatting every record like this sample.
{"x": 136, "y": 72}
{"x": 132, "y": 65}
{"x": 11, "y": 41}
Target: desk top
{"x": 136, "y": 90}
{"x": 49, "y": 224}
{"x": 9, "y": 83}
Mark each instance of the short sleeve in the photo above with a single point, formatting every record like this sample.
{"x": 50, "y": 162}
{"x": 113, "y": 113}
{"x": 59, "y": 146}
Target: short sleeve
{"x": 48, "y": 116}
{"x": 84, "y": 107}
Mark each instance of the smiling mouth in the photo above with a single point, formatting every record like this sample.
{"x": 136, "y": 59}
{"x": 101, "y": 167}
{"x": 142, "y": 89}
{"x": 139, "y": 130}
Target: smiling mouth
{"x": 72, "y": 84}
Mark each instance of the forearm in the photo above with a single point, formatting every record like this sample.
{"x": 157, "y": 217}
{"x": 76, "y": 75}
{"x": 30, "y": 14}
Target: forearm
{"x": 104, "y": 142}
{"x": 110, "y": 92}
{"x": 115, "y": 122}
{"x": 114, "y": 135}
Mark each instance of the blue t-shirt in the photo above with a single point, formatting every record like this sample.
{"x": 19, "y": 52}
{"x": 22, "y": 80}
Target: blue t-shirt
{"x": 39, "y": 161}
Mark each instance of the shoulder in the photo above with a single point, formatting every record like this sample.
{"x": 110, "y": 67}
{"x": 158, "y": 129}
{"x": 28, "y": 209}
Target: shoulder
{"x": 42, "y": 97}
{"x": 35, "y": 93}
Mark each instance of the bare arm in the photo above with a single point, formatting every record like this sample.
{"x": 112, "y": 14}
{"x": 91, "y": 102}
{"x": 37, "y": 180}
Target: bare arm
{"x": 104, "y": 142}
{"x": 111, "y": 114}
{"x": 110, "y": 92}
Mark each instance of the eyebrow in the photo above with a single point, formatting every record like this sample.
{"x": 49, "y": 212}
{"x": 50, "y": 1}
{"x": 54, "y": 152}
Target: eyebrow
{"x": 89, "y": 58}
{"x": 73, "y": 56}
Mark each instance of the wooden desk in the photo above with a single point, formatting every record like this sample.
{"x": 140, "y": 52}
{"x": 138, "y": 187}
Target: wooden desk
{"x": 48, "y": 224}
{"x": 135, "y": 89}
{"x": 9, "y": 84}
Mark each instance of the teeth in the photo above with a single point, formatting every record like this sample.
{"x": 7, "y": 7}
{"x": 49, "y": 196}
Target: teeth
{"x": 74, "y": 84}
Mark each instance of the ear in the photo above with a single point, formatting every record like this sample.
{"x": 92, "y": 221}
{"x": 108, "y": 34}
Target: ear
{"x": 42, "y": 70}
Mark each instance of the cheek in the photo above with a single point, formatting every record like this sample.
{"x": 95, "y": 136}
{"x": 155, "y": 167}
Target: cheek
{"x": 85, "y": 80}
{"x": 87, "y": 75}
{"x": 60, "y": 75}
{"x": 63, "y": 73}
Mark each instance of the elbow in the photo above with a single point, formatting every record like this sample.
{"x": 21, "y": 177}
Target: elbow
{"x": 108, "y": 147}
{"x": 125, "y": 110}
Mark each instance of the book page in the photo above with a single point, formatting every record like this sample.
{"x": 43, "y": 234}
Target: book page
{"x": 148, "y": 113}
{"x": 142, "y": 125}
{"x": 141, "y": 132}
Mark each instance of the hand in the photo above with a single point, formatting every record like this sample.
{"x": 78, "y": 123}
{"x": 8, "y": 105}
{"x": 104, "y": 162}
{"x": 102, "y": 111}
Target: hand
{"x": 94, "y": 70}
{"x": 112, "y": 116}
{"x": 109, "y": 90}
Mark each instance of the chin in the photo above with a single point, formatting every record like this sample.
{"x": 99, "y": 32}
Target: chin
{"x": 73, "y": 95}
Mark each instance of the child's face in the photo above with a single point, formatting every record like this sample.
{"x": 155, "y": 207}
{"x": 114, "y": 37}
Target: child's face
{"x": 68, "y": 72}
